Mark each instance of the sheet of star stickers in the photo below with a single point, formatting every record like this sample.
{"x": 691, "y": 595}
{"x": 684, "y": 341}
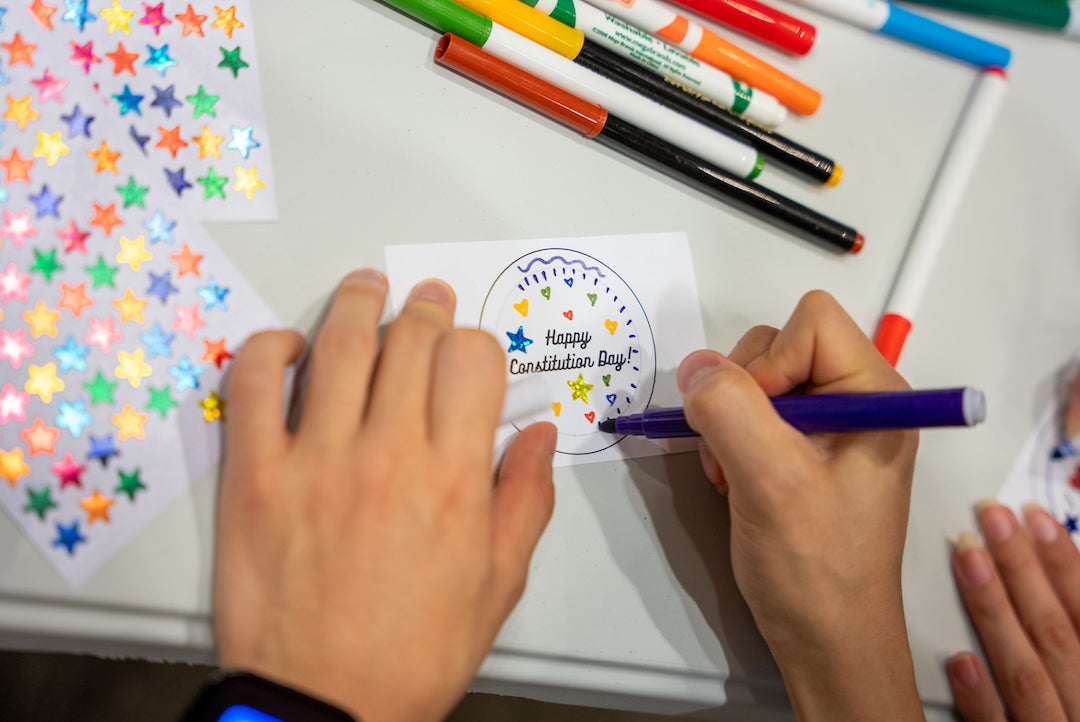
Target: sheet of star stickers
{"x": 604, "y": 323}
{"x": 118, "y": 313}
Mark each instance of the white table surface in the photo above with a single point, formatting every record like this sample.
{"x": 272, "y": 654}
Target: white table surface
{"x": 631, "y": 602}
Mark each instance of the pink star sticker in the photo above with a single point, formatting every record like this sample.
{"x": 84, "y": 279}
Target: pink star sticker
{"x": 155, "y": 17}
{"x": 14, "y": 284}
{"x": 13, "y": 404}
{"x": 73, "y": 238}
{"x": 69, "y": 471}
{"x": 103, "y": 334}
{"x": 83, "y": 55}
{"x": 17, "y": 227}
{"x": 13, "y": 346}
{"x": 188, "y": 320}
{"x": 49, "y": 88}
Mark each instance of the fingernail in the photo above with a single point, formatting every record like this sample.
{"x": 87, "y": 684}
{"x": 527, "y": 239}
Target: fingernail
{"x": 1041, "y": 525}
{"x": 709, "y": 463}
{"x": 365, "y": 275}
{"x": 997, "y": 522}
{"x": 964, "y": 670}
{"x": 433, "y": 290}
{"x": 697, "y": 367}
{"x": 972, "y": 560}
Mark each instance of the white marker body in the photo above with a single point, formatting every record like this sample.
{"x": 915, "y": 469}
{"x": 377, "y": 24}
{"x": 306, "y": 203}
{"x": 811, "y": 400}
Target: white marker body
{"x": 869, "y": 14}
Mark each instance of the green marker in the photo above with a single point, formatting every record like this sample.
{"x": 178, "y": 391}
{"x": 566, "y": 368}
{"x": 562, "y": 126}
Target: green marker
{"x": 1055, "y": 14}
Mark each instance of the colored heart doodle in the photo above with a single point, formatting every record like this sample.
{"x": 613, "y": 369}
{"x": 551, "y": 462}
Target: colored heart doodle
{"x": 611, "y": 326}
{"x": 557, "y": 408}
{"x": 592, "y": 298}
{"x": 607, "y": 379}
{"x": 546, "y": 292}
{"x": 569, "y": 314}
{"x": 611, "y": 399}
{"x": 591, "y": 416}
{"x": 523, "y": 307}
{"x": 569, "y": 282}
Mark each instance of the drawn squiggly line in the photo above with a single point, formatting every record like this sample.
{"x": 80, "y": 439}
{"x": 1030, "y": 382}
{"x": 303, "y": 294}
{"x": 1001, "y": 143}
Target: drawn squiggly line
{"x": 548, "y": 261}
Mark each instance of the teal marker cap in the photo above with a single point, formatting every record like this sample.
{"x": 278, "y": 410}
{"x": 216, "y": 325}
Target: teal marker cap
{"x": 447, "y": 17}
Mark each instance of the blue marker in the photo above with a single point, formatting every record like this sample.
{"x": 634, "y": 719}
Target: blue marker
{"x": 881, "y": 17}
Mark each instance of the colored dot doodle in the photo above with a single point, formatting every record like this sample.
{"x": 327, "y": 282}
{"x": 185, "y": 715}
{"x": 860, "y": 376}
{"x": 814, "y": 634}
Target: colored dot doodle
{"x": 68, "y": 536}
{"x": 39, "y": 501}
{"x": 213, "y": 408}
{"x": 97, "y": 507}
{"x": 130, "y": 484}
{"x": 117, "y": 18}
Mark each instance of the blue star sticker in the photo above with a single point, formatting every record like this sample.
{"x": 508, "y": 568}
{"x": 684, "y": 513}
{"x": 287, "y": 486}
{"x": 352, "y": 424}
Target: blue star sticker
{"x": 213, "y": 295}
{"x": 518, "y": 342}
{"x": 161, "y": 286}
{"x": 1071, "y": 523}
{"x": 186, "y": 374}
{"x": 3, "y": 12}
{"x": 129, "y": 103}
{"x": 102, "y": 449}
{"x": 165, "y": 99}
{"x": 158, "y": 343}
{"x": 72, "y": 355}
{"x": 242, "y": 140}
{"x": 77, "y": 13}
{"x": 160, "y": 228}
{"x": 74, "y": 417}
{"x": 68, "y": 536}
{"x": 141, "y": 140}
{"x": 47, "y": 202}
{"x": 159, "y": 59}
{"x": 78, "y": 122}
{"x": 177, "y": 180}
{"x": 4, "y": 79}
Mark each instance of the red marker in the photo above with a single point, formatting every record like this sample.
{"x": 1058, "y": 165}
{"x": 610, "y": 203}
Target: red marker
{"x": 759, "y": 21}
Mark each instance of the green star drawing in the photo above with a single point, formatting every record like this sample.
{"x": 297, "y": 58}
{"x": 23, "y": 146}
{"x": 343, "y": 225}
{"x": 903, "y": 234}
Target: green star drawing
{"x": 102, "y": 274}
{"x": 161, "y": 400}
{"x": 231, "y": 59}
{"x": 133, "y": 193}
{"x": 204, "y": 103}
{"x": 46, "y": 263}
{"x": 39, "y": 502}
{"x": 101, "y": 390}
{"x": 213, "y": 184}
{"x": 130, "y": 484}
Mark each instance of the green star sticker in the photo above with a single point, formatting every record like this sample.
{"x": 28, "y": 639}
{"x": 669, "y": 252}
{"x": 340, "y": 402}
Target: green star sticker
{"x": 39, "y": 502}
{"x": 203, "y": 102}
{"x": 101, "y": 390}
{"x": 46, "y": 263}
{"x": 161, "y": 400}
{"x": 213, "y": 184}
{"x": 102, "y": 274}
{"x": 231, "y": 59}
{"x": 130, "y": 484}
{"x": 133, "y": 193}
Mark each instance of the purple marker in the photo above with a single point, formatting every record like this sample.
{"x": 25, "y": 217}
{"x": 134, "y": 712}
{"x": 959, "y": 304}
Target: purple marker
{"x": 832, "y": 413}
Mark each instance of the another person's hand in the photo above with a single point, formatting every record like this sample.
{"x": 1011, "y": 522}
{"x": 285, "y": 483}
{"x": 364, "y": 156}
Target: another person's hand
{"x": 818, "y": 523}
{"x": 368, "y": 558}
{"x": 1022, "y": 593}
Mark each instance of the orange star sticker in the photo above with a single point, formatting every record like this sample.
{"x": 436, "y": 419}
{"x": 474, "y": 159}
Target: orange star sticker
{"x": 21, "y": 111}
{"x": 43, "y": 13}
{"x": 40, "y": 439}
{"x": 42, "y": 320}
{"x": 129, "y": 423}
{"x": 226, "y": 20}
{"x": 13, "y": 466}
{"x": 105, "y": 218}
{"x": 122, "y": 59}
{"x": 130, "y": 307}
{"x": 19, "y": 51}
{"x": 171, "y": 140}
{"x": 192, "y": 21}
{"x": 16, "y": 167}
{"x": 97, "y": 507}
{"x": 216, "y": 353}
{"x": 43, "y": 382}
{"x": 208, "y": 143}
{"x": 74, "y": 298}
{"x": 186, "y": 261}
{"x": 132, "y": 367}
{"x": 106, "y": 158}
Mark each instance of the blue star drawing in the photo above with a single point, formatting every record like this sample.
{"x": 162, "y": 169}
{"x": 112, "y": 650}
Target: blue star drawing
{"x": 74, "y": 417}
{"x": 242, "y": 140}
{"x": 141, "y": 140}
{"x": 158, "y": 343}
{"x": 160, "y": 228}
{"x": 77, "y": 13}
{"x": 213, "y": 295}
{"x": 186, "y": 374}
{"x": 518, "y": 342}
{"x": 1071, "y": 523}
{"x": 72, "y": 355}
{"x": 102, "y": 449}
{"x": 177, "y": 180}
{"x": 129, "y": 103}
{"x": 165, "y": 99}
{"x": 47, "y": 202}
{"x": 159, "y": 59}
{"x": 68, "y": 536}
{"x": 78, "y": 122}
{"x": 161, "y": 286}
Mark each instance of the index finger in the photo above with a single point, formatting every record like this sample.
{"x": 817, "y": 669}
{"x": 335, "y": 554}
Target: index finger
{"x": 255, "y": 389}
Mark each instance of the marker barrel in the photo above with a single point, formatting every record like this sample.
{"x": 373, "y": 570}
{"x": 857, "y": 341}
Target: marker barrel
{"x": 758, "y": 20}
{"x": 1053, "y": 14}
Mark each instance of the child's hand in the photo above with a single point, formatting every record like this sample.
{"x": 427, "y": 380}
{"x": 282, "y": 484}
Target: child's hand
{"x": 368, "y": 558}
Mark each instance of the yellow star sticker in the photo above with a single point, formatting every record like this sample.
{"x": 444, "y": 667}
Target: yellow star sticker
{"x": 43, "y": 382}
{"x": 208, "y": 142}
{"x": 50, "y": 147}
{"x": 133, "y": 252}
{"x": 42, "y": 320}
{"x": 129, "y": 423}
{"x": 21, "y": 111}
{"x": 105, "y": 158}
{"x": 13, "y": 466}
{"x": 580, "y": 389}
{"x": 248, "y": 181}
{"x": 97, "y": 507}
{"x": 130, "y": 307}
{"x": 118, "y": 18}
{"x": 226, "y": 20}
{"x": 132, "y": 368}
{"x": 213, "y": 407}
